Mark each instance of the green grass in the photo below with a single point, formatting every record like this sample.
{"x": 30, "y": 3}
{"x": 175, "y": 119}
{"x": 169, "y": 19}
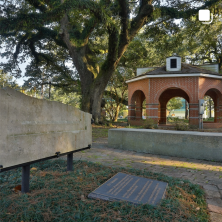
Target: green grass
{"x": 100, "y": 132}
{"x": 209, "y": 119}
{"x": 122, "y": 120}
{"x": 57, "y": 195}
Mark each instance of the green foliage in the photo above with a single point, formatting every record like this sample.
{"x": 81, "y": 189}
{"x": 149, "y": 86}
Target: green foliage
{"x": 202, "y": 43}
{"x": 174, "y": 103}
{"x": 150, "y": 123}
{"x": 180, "y": 125}
{"x": 58, "y": 195}
{"x": 71, "y": 98}
{"x": 208, "y": 104}
{"x": 116, "y": 93}
{"x": 7, "y": 80}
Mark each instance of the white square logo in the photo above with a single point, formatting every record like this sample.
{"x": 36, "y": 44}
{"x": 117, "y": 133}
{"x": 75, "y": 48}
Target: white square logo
{"x": 204, "y": 15}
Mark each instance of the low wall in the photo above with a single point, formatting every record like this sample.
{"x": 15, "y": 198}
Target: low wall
{"x": 206, "y": 125}
{"x": 198, "y": 145}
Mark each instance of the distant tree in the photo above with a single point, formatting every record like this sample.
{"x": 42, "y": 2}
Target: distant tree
{"x": 71, "y": 98}
{"x": 174, "y": 103}
{"x": 202, "y": 43}
{"x": 116, "y": 94}
{"x": 7, "y": 80}
{"x": 186, "y": 109}
{"x": 209, "y": 104}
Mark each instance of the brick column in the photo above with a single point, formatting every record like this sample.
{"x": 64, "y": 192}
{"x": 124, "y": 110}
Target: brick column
{"x": 219, "y": 114}
{"x": 138, "y": 108}
{"x": 194, "y": 114}
{"x": 216, "y": 113}
{"x": 162, "y": 114}
{"x": 131, "y": 112}
{"x": 152, "y": 111}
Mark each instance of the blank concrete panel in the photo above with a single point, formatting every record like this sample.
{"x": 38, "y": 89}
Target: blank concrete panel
{"x": 32, "y": 129}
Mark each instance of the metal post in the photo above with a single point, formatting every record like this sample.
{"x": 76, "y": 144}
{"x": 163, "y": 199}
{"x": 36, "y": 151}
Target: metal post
{"x": 201, "y": 121}
{"x": 25, "y": 178}
{"x": 70, "y": 162}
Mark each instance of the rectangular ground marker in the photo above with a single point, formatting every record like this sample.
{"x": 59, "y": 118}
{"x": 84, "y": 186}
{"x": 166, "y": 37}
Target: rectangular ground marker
{"x": 133, "y": 189}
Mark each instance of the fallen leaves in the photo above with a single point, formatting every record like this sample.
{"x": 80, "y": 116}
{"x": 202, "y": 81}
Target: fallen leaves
{"x": 17, "y": 188}
{"x": 42, "y": 174}
{"x": 33, "y": 169}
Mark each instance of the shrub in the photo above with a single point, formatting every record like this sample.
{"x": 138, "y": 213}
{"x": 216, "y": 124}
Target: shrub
{"x": 180, "y": 125}
{"x": 150, "y": 124}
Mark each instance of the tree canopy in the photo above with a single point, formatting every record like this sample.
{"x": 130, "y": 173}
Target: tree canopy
{"x": 80, "y": 43}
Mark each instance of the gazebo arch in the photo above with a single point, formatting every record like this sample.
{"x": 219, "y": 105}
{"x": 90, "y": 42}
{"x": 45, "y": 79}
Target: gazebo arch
{"x": 165, "y": 96}
{"x": 136, "y": 102}
{"x": 174, "y": 86}
{"x": 215, "y": 94}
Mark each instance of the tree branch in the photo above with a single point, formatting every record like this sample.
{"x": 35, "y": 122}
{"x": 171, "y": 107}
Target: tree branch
{"x": 177, "y": 14}
{"x": 115, "y": 97}
{"x": 124, "y": 14}
{"x": 38, "y": 5}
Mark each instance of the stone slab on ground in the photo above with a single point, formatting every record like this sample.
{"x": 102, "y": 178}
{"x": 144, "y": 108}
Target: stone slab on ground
{"x": 130, "y": 188}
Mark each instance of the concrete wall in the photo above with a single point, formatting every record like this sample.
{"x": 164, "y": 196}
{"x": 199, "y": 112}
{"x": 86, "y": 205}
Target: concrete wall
{"x": 198, "y": 145}
{"x": 31, "y": 129}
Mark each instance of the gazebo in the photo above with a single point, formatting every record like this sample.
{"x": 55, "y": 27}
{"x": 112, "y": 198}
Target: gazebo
{"x": 157, "y": 85}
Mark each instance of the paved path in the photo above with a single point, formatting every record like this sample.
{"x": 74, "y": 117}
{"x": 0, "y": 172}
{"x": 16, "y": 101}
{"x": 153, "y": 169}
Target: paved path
{"x": 205, "y": 173}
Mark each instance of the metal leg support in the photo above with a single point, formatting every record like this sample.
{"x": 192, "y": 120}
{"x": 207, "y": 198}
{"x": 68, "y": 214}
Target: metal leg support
{"x": 70, "y": 162}
{"x": 25, "y": 178}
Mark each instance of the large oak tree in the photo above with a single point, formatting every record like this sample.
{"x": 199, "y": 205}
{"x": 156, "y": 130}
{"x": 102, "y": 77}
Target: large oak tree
{"x": 94, "y": 34}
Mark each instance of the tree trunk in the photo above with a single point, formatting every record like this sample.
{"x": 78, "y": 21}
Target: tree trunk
{"x": 116, "y": 113}
{"x": 97, "y": 90}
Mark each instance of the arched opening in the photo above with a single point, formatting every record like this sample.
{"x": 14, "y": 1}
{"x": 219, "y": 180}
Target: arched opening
{"x": 211, "y": 98}
{"x": 136, "y": 109}
{"x": 177, "y": 107}
{"x": 209, "y": 113}
{"x": 165, "y": 97}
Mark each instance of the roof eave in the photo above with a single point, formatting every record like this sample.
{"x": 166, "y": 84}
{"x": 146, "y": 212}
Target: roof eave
{"x": 175, "y": 75}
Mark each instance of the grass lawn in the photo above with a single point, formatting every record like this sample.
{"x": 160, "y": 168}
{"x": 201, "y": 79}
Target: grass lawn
{"x": 122, "y": 120}
{"x": 209, "y": 119}
{"x": 57, "y": 195}
{"x": 99, "y": 131}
